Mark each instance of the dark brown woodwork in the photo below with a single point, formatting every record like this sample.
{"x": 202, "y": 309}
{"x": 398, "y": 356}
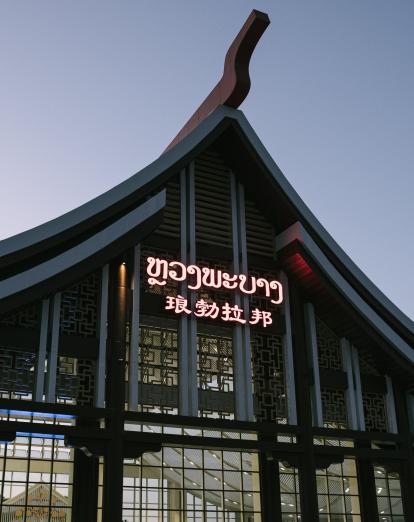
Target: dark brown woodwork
{"x": 234, "y": 85}
{"x": 115, "y": 391}
{"x": 366, "y": 487}
{"x": 407, "y": 466}
{"x": 269, "y": 487}
{"x": 307, "y": 464}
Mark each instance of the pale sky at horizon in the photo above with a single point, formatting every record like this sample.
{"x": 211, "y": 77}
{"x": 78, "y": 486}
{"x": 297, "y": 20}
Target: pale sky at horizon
{"x": 91, "y": 91}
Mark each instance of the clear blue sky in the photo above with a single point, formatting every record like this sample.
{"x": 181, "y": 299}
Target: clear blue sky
{"x": 93, "y": 90}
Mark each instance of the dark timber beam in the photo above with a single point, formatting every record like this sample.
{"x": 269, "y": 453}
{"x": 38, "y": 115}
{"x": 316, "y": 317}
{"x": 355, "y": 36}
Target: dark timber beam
{"x": 407, "y": 466}
{"x": 307, "y": 464}
{"x": 270, "y": 487}
{"x": 366, "y": 486}
{"x": 115, "y": 391}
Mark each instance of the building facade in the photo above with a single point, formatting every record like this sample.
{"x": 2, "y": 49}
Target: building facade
{"x": 193, "y": 346}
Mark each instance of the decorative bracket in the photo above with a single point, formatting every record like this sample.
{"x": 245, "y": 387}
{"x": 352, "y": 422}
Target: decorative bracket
{"x": 234, "y": 85}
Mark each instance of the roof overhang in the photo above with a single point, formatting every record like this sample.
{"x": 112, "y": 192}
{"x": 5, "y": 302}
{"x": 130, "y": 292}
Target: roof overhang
{"x": 61, "y": 270}
{"x": 298, "y": 234}
{"x": 94, "y": 215}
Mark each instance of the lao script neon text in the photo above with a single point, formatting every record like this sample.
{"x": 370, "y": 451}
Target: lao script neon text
{"x": 226, "y": 312}
{"x": 160, "y": 270}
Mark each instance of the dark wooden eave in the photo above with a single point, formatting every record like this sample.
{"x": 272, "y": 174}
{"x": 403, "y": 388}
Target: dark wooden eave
{"x": 230, "y": 131}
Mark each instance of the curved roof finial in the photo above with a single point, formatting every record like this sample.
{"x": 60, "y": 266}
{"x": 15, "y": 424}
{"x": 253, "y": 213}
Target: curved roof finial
{"x": 234, "y": 85}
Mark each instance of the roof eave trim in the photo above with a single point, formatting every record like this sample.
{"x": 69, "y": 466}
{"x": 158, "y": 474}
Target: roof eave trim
{"x": 69, "y": 225}
{"x": 321, "y": 233}
{"x": 91, "y": 253}
{"x": 297, "y": 232}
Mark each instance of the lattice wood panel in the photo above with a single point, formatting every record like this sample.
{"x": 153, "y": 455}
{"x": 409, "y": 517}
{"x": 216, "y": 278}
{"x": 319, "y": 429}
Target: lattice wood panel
{"x": 334, "y": 408}
{"x": 329, "y": 347}
{"x": 269, "y": 378}
{"x": 79, "y": 308}
{"x": 375, "y": 411}
{"x": 28, "y": 317}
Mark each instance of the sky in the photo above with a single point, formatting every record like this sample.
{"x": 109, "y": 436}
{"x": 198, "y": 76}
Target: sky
{"x": 91, "y": 91}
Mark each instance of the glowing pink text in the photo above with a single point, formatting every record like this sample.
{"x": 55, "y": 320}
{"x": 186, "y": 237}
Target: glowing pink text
{"x": 226, "y": 312}
{"x": 159, "y": 271}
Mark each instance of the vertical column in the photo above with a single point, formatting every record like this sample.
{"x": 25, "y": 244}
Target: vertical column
{"x": 366, "y": 486}
{"x": 390, "y": 405}
{"x": 358, "y": 389}
{"x": 242, "y": 357}
{"x": 54, "y": 349}
{"x": 238, "y": 366}
{"x": 183, "y": 377}
{"x": 192, "y": 332}
{"x": 307, "y": 476}
{"x": 350, "y": 392}
{"x": 103, "y": 334}
{"x": 313, "y": 359}
{"x": 86, "y": 468}
{"x": 187, "y": 333}
{"x": 41, "y": 354}
{"x": 133, "y": 368}
{"x": 85, "y": 484}
{"x": 246, "y": 344}
{"x": 410, "y": 409}
{"x": 115, "y": 392}
{"x": 407, "y": 465}
{"x": 288, "y": 354}
{"x": 269, "y": 488}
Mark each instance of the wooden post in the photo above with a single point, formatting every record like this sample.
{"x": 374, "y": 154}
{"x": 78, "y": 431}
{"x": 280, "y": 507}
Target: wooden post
{"x": 115, "y": 392}
{"x": 307, "y": 470}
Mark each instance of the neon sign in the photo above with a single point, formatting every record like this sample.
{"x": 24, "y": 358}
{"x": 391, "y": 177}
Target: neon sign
{"x": 160, "y": 270}
{"x": 226, "y": 312}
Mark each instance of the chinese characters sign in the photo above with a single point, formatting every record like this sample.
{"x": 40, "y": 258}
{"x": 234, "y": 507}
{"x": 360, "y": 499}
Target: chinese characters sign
{"x": 226, "y": 312}
{"x": 159, "y": 271}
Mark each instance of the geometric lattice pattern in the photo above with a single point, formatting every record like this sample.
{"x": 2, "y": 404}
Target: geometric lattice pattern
{"x": 329, "y": 348}
{"x": 375, "y": 411}
{"x": 159, "y": 357}
{"x": 389, "y": 499}
{"x": 269, "y": 378}
{"x": 215, "y": 363}
{"x": 337, "y": 488}
{"x": 367, "y": 363}
{"x": 86, "y": 372}
{"x": 79, "y": 307}
{"x": 158, "y": 368}
{"x": 16, "y": 375}
{"x": 28, "y": 317}
{"x": 334, "y": 408}
{"x": 215, "y": 375}
{"x": 75, "y": 381}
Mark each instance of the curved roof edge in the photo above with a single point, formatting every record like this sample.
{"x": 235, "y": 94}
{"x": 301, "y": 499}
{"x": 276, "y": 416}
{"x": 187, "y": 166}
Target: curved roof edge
{"x": 297, "y": 232}
{"x": 96, "y": 210}
{"x": 84, "y": 257}
{"x": 206, "y": 131}
{"x": 311, "y": 220}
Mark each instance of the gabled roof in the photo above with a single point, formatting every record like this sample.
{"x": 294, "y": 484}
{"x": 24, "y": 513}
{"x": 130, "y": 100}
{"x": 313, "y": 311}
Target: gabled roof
{"x": 37, "y": 493}
{"x": 52, "y": 238}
